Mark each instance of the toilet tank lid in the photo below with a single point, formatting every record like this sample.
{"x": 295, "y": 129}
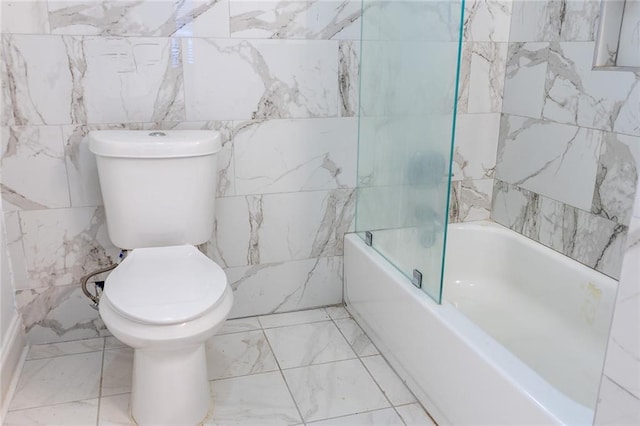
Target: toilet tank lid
{"x": 154, "y": 143}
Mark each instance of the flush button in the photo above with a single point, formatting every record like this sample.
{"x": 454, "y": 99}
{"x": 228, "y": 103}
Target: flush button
{"x": 157, "y": 134}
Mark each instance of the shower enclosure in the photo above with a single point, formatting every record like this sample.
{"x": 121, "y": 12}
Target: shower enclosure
{"x": 408, "y": 87}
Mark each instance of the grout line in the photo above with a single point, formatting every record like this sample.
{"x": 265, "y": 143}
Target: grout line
{"x": 50, "y": 405}
{"x": 104, "y": 346}
{"x": 295, "y": 403}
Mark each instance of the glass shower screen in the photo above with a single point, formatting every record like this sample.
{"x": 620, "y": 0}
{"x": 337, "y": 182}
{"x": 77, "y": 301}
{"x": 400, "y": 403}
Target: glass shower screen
{"x": 409, "y": 72}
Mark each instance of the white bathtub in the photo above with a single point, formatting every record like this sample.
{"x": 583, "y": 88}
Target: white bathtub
{"x": 519, "y": 338}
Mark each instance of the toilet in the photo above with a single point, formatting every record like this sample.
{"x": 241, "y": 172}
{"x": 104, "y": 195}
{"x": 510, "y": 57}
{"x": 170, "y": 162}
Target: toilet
{"x": 166, "y": 298}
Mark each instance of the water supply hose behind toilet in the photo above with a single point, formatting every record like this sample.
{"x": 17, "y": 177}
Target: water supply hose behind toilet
{"x": 95, "y": 298}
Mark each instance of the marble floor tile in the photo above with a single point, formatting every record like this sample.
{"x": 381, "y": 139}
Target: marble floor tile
{"x": 394, "y": 389}
{"x": 356, "y": 337}
{"x": 239, "y": 354}
{"x": 239, "y": 325}
{"x": 259, "y": 399}
{"x": 116, "y": 371}
{"x": 114, "y": 410}
{"x": 78, "y": 413}
{"x": 334, "y": 389}
{"x": 65, "y": 348}
{"x": 337, "y": 312}
{"x": 387, "y": 416}
{"x": 414, "y": 415}
{"x": 306, "y": 344}
{"x": 293, "y": 318}
{"x": 113, "y": 343}
{"x": 323, "y": 381}
{"x": 58, "y": 379}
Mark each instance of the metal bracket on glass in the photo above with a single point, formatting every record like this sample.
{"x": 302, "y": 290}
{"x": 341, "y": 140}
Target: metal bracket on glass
{"x": 417, "y": 278}
{"x": 368, "y": 238}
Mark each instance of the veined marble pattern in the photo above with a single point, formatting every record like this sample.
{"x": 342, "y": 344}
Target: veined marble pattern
{"x": 575, "y": 94}
{"x": 553, "y": 20}
{"x": 525, "y": 78}
{"x": 65, "y": 80}
{"x": 295, "y": 155}
{"x": 482, "y": 74}
{"x": 37, "y": 82}
{"x": 316, "y": 19}
{"x": 201, "y": 18}
{"x": 281, "y": 287}
{"x": 280, "y": 78}
{"x": 34, "y": 174}
{"x": 476, "y": 142}
{"x": 56, "y": 314}
{"x": 617, "y": 178}
{"x": 470, "y": 200}
{"x": 130, "y": 79}
{"x": 349, "y": 77}
{"x": 589, "y": 239}
{"x": 545, "y": 157}
{"x": 616, "y": 405}
{"x": 280, "y": 227}
{"x": 487, "y": 20}
{"x": 62, "y": 245}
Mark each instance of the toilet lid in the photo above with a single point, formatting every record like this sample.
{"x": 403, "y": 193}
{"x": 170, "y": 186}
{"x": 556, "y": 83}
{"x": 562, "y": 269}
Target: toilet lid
{"x": 165, "y": 285}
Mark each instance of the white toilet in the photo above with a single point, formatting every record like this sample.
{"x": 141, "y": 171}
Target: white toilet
{"x": 166, "y": 298}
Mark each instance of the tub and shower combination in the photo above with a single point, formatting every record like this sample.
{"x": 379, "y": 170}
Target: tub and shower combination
{"x": 503, "y": 330}
{"x": 518, "y": 339}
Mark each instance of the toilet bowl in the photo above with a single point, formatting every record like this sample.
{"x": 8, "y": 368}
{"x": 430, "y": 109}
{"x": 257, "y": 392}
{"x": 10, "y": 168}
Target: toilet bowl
{"x": 165, "y": 302}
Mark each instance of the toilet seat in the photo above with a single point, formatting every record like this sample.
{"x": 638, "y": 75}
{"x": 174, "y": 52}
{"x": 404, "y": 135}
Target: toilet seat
{"x": 165, "y": 285}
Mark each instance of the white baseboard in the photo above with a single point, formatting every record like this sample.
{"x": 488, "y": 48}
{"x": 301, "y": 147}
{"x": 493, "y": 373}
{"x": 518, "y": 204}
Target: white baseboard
{"x": 14, "y": 353}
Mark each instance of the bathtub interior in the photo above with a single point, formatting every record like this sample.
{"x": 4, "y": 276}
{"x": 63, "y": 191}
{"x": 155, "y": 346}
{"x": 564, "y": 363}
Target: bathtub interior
{"x": 550, "y": 311}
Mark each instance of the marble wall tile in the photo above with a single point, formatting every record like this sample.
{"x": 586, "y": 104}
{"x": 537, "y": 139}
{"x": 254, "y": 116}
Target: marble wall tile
{"x": 129, "y": 79}
{"x": 487, "y": 20}
{"x": 476, "y": 141}
{"x": 616, "y": 405}
{"x": 553, "y": 20}
{"x": 56, "y": 314}
{"x": 617, "y": 177}
{"x": 37, "y": 82}
{"x": 482, "y": 73}
{"x": 628, "y": 49}
{"x": 546, "y": 157}
{"x": 316, "y": 19}
{"x": 24, "y": 17}
{"x": 272, "y": 228}
{"x": 295, "y": 155}
{"x": 589, "y": 239}
{"x": 622, "y": 364}
{"x": 470, "y": 200}
{"x": 34, "y": 175}
{"x": 278, "y": 79}
{"x": 525, "y": 79}
{"x": 287, "y": 286}
{"x": 202, "y": 18}
{"x": 62, "y": 245}
{"x": 349, "y": 77}
{"x": 575, "y": 94}
{"x": 16, "y": 249}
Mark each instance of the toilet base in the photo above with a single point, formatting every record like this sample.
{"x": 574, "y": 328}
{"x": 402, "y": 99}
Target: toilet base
{"x": 170, "y": 387}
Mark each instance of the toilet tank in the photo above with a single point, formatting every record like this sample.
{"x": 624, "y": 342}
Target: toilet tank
{"x": 158, "y": 188}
